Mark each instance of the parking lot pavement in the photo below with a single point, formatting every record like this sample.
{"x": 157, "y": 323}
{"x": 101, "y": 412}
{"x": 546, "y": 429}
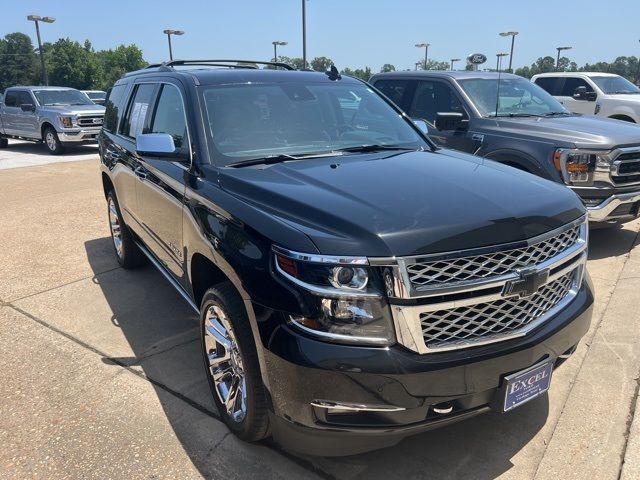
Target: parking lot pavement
{"x": 102, "y": 379}
{"x": 29, "y": 154}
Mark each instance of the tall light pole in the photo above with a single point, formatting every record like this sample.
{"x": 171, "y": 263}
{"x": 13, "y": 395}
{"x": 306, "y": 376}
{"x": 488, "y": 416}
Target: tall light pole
{"x": 558, "y": 57}
{"x": 275, "y": 48}
{"x": 499, "y": 60}
{"x": 304, "y": 33}
{"x": 36, "y": 19}
{"x": 453, "y": 60}
{"x": 513, "y": 39}
{"x": 169, "y": 33}
{"x": 426, "y": 52}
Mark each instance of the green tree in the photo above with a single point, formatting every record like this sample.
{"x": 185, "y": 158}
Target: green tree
{"x": 19, "y": 61}
{"x": 117, "y": 62}
{"x": 363, "y": 74}
{"x": 542, "y": 65}
{"x": 387, "y": 67}
{"x": 436, "y": 65}
{"x": 70, "y": 64}
{"x": 321, "y": 64}
{"x": 295, "y": 62}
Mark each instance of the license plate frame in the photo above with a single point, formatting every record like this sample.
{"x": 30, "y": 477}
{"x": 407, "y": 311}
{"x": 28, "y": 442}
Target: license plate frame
{"x": 525, "y": 385}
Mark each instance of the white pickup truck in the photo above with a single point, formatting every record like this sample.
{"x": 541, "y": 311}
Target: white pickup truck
{"x": 56, "y": 116}
{"x": 593, "y": 93}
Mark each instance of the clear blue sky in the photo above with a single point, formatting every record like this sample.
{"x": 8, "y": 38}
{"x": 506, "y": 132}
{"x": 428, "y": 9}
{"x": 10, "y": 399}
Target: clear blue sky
{"x": 354, "y": 33}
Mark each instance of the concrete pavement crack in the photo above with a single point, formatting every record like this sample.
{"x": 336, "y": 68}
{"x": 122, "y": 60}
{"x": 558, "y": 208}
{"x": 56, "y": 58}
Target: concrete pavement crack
{"x": 632, "y": 414}
{"x": 301, "y": 462}
{"x": 588, "y": 343}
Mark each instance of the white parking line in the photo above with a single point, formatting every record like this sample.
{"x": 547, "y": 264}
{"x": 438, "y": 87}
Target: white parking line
{"x": 27, "y": 154}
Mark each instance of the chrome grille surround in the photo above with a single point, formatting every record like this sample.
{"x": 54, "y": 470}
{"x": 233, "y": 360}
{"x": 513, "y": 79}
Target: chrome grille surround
{"x": 625, "y": 165}
{"x": 468, "y": 268}
{"x": 483, "y": 309}
{"x": 90, "y": 121}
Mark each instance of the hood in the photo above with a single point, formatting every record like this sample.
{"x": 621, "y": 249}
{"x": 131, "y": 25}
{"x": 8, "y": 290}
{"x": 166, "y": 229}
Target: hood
{"x": 581, "y": 131}
{"x": 625, "y": 97}
{"x": 76, "y": 109}
{"x": 408, "y": 203}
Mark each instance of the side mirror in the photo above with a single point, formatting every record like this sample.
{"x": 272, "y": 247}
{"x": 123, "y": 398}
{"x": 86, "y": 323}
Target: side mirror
{"x": 422, "y": 125}
{"x": 28, "y": 107}
{"x": 157, "y": 145}
{"x": 449, "y": 121}
{"x": 581, "y": 93}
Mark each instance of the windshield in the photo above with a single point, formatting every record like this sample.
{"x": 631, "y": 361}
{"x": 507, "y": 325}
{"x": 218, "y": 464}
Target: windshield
{"x": 252, "y": 121}
{"x": 61, "y": 97}
{"x": 518, "y": 97}
{"x": 615, "y": 85}
{"x": 97, "y": 95}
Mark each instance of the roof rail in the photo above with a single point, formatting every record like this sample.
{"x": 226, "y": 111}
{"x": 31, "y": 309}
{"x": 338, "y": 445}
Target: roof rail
{"x": 233, "y": 63}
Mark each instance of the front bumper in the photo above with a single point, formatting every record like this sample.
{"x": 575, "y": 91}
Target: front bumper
{"x": 402, "y": 393}
{"x": 81, "y": 135}
{"x": 622, "y": 206}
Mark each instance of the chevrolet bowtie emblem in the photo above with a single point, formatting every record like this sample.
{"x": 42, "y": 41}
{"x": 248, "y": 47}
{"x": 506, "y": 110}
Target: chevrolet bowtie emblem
{"x": 528, "y": 284}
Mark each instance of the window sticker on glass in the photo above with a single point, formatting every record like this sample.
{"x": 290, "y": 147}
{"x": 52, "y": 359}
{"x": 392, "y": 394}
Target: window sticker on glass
{"x": 138, "y": 114}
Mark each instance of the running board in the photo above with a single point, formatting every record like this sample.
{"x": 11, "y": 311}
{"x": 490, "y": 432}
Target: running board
{"x": 168, "y": 276}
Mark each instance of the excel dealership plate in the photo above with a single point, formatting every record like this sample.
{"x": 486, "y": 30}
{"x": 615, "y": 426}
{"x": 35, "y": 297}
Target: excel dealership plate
{"x": 527, "y": 385}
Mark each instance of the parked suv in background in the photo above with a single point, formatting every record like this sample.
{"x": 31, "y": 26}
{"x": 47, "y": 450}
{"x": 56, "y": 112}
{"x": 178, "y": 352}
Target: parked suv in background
{"x": 354, "y": 283}
{"x": 56, "y": 116}
{"x": 593, "y": 93}
{"x": 526, "y": 128}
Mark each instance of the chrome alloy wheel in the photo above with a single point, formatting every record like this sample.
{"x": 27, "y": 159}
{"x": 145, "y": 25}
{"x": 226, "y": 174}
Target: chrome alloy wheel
{"x": 225, "y": 363}
{"x": 116, "y": 228}
{"x": 51, "y": 141}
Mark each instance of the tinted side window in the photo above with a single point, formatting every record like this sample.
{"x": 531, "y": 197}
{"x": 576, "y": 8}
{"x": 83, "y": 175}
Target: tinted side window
{"x": 25, "y": 98}
{"x": 553, "y": 85}
{"x": 114, "y": 106}
{"x": 11, "y": 99}
{"x": 135, "y": 120}
{"x": 431, "y": 98}
{"x": 570, "y": 85}
{"x": 394, "y": 89}
{"x": 169, "y": 116}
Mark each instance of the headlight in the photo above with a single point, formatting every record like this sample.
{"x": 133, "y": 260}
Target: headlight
{"x": 581, "y": 167}
{"x": 68, "y": 121}
{"x": 345, "y": 302}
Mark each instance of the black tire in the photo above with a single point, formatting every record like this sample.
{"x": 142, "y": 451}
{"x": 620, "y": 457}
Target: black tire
{"x": 254, "y": 425}
{"x": 4, "y": 143}
{"x": 126, "y": 250}
{"x": 51, "y": 141}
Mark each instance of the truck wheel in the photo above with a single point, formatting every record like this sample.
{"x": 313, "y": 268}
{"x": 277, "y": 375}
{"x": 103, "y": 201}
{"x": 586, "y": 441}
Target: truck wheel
{"x": 231, "y": 362}
{"x": 127, "y": 252}
{"x": 52, "y": 142}
{"x": 4, "y": 143}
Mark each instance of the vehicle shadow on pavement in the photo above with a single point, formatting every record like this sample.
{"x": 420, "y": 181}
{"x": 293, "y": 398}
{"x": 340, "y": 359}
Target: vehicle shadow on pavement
{"x": 163, "y": 333}
{"x": 39, "y": 149}
{"x": 610, "y": 242}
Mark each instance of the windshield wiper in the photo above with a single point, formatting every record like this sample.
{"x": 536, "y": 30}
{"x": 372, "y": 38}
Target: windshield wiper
{"x": 512, "y": 115}
{"x": 376, "y": 147}
{"x": 280, "y": 158}
{"x": 552, "y": 114}
{"x": 625, "y": 92}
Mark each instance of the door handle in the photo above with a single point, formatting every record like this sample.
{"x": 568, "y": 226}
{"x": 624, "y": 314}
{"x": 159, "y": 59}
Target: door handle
{"x": 141, "y": 173}
{"x": 111, "y": 154}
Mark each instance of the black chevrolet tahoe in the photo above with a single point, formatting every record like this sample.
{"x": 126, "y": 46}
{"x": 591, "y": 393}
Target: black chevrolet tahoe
{"x": 527, "y": 128}
{"x": 355, "y": 283}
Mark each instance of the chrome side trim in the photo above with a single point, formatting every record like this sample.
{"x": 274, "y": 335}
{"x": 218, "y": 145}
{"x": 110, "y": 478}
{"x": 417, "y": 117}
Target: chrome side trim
{"x": 337, "y": 407}
{"x": 319, "y": 258}
{"x": 339, "y": 338}
{"x": 168, "y": 276}
{"x": 603, "y": 211}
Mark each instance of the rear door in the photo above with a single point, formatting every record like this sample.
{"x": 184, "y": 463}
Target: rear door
{"x": 161, "y": 185}
{"x": 9, "y": 112}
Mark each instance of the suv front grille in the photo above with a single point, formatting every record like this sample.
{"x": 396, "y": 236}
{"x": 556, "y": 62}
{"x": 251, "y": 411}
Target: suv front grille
{"x": 91, "y": 121}
{"x": 463, "y": 269}
{"x": 488, "y": 319}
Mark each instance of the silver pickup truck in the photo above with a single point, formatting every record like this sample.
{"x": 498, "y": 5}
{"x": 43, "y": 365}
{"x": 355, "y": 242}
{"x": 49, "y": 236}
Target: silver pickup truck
{"x": 56, "y": 116}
